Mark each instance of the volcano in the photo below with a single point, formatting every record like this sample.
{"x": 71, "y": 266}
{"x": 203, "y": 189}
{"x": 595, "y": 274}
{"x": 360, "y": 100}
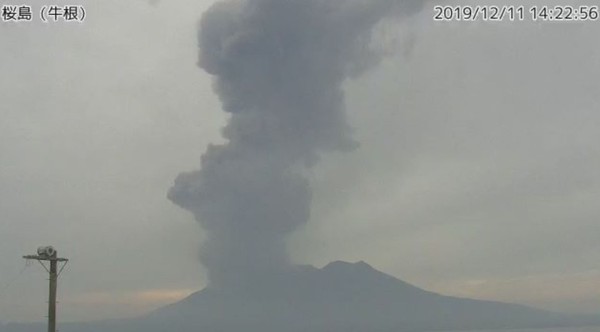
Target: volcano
{"x": 340, "y": 297}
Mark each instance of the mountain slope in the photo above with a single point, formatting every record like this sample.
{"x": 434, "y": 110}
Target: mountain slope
{"x": 345, "y": 297}
{"x": 340, "y": 297}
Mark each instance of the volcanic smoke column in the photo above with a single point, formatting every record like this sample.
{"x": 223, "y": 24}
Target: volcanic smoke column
{"x": 278, "y": 68}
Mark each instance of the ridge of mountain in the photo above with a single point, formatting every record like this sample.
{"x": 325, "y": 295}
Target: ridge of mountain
{"x": 348, "y": 297}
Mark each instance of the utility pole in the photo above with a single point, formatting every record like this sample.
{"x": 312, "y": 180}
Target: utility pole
{"x": 49, "y": 254}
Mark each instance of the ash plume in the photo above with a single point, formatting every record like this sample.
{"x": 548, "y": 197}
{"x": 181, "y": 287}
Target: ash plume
{"x": 278, "y": 68}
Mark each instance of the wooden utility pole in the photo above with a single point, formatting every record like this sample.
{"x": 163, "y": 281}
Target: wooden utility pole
{"x": 49, "y": 254}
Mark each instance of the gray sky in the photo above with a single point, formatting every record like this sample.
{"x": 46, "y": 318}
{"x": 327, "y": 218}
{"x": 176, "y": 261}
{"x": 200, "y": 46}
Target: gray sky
{"x": 476, "y": 175}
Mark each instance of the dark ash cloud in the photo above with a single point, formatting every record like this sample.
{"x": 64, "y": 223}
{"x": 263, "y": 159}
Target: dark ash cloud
{"x": 278, "y": 69}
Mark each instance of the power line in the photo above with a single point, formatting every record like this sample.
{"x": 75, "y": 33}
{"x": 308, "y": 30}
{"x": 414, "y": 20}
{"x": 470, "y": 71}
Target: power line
{"x": 11, "y": 281}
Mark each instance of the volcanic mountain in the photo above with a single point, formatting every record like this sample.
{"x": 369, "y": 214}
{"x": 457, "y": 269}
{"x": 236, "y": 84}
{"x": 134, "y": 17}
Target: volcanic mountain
{"x": 342, "y": 297}
{"x": 339, "y": 297}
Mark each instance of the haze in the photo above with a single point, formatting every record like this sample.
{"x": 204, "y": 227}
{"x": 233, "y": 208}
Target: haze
{"x": 476, "y": 173}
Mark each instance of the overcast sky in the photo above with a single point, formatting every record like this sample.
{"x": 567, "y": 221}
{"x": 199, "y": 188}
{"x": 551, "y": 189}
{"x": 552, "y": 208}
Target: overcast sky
{"x": 477, "y": 173}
